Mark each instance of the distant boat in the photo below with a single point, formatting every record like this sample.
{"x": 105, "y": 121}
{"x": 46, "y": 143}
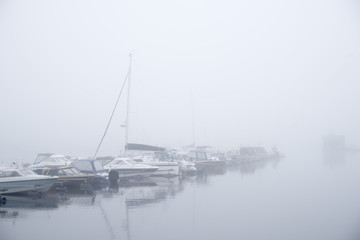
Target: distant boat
{"x": 252, "y": 154}
{"x": 24, "y": 180}
{"x": 205, "y": 163}
{"x": 187, "y": 168}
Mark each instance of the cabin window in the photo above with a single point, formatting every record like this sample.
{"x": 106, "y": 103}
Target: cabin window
{"x": 26, "y": 172}
{"x": 75, "y": 170}
{"x": 84, "y": 166}
{"x": 9, "y": 174}
{"x": 98, "y": 166}
{"x": 68, "y": 171}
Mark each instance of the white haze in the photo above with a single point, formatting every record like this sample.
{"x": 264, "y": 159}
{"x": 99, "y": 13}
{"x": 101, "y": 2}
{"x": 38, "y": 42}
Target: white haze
{"x": 237, "y": 72}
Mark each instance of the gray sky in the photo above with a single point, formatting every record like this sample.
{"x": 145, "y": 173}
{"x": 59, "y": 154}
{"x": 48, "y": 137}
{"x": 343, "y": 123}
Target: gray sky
{"x": 240, "y": 72}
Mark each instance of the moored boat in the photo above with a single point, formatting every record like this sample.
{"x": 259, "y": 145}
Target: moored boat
{"x": 69, "y": 176}
{"x": 127, "y": 168}
{"x": 206, "y": 164}
{"x": 252, "y": 154}
{"x": 49, "y": 160}
{"x": 154, "y": 156}
{"x": 24, "y": 180}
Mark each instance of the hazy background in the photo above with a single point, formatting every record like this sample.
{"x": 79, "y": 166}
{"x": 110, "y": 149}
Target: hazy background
{"x": 237, "y": 72}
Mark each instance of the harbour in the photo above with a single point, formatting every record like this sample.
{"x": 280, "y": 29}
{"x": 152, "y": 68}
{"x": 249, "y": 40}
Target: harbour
{"x": 298, "y": 197}
{"x": 179, "y": 120}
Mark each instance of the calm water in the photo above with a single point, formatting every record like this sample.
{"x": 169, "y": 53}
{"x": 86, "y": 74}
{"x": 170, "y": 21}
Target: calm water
{"x": 298, "y": 197}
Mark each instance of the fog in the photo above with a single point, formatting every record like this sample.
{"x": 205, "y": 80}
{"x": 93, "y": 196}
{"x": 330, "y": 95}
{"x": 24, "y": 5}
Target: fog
{"x": 223, "y": 74}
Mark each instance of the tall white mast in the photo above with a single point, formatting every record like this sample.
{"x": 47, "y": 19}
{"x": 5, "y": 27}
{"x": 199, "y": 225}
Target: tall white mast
{"x": 128, "y": 104}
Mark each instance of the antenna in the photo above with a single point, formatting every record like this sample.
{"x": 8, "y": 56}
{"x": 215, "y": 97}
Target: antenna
{"x": 193, "y": 121}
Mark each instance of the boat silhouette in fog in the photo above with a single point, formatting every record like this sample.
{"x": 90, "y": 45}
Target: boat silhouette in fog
{"x": 206, "y": 164}
{"x": 252, "y": 154}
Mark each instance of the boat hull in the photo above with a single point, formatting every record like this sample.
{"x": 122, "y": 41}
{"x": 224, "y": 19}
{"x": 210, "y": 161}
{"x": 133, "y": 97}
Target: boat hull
{"x": 165, "y": 169}
{"x": 134, "y": 172}
{"x": 11, "y": 185}
{"x": 210, "y": 167}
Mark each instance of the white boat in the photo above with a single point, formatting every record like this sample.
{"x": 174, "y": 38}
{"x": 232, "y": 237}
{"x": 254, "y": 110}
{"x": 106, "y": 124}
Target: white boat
{"x": 69, "y": 177}
{"x": 24, "y": 180}
{"x": 165, "y": 168}
{"x": 153, "y": 156}
{"x": 127, "y": 168}
{"x": 187, "y": 168}
{"x": 49, "y": 160}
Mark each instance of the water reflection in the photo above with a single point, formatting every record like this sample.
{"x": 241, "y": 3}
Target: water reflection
{"x": 119, "y": 211}
{"x": 250, "y": 167}
{"x": 288, "y": 199}
{"x": 334, "y": 157}
{"x": 47, "y": 201}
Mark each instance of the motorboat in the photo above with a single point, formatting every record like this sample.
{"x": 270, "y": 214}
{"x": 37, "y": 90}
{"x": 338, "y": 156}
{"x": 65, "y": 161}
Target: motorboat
{"x": 128, "y": 168}
{"x": 154, "y": 156}
{"x": 14, "y": 180}
{"x": 205, "y": 163}
{"x": 69, "y": 176}
{"x": 252, "y": 154}
{"x": 165, "y": 168}
{"x": 89, "y": 166}
{"x": 187, "y": 168}
{"x": 49, "y": 160}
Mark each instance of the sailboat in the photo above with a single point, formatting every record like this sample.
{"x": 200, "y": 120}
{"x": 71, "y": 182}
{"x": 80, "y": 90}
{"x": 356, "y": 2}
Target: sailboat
{"x": 146, "y": 154}
{"x": 125, "y": 167}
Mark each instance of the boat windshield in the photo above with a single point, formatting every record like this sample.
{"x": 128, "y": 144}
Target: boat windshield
{"x": 68, "y": 171}
{"x": 121, "y": 162}
{"x": 26, "y": 172}
{"x": 84, "y": 166}
{"x": 75, "y": 170}
{"x": 53, "y": 159}
{"x": 131, "y": 161}
{"x": 98, "y": 166}
{"x": 260, "y": 150}
{"x": 71, "y": 171}
{"x": 247, "y": 150}
{"x": 11, "y": 173}
{"x": 201, "y": 155}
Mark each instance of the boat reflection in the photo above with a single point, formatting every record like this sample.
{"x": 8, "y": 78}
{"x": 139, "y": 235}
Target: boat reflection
{"x": 115, "y": 210}
{"x": 16, "y": 206}
{"x": 151, "y": 190}
{"x": 250, "y": 167}
{"x": 31, "y": 202}
{"x": 334, "y": 157}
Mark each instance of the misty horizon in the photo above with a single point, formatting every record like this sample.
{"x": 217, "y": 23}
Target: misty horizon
{"x": 222, "y": 75}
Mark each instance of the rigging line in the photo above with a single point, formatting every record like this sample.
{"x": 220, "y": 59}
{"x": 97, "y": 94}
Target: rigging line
{"x": 112, "y": 114}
